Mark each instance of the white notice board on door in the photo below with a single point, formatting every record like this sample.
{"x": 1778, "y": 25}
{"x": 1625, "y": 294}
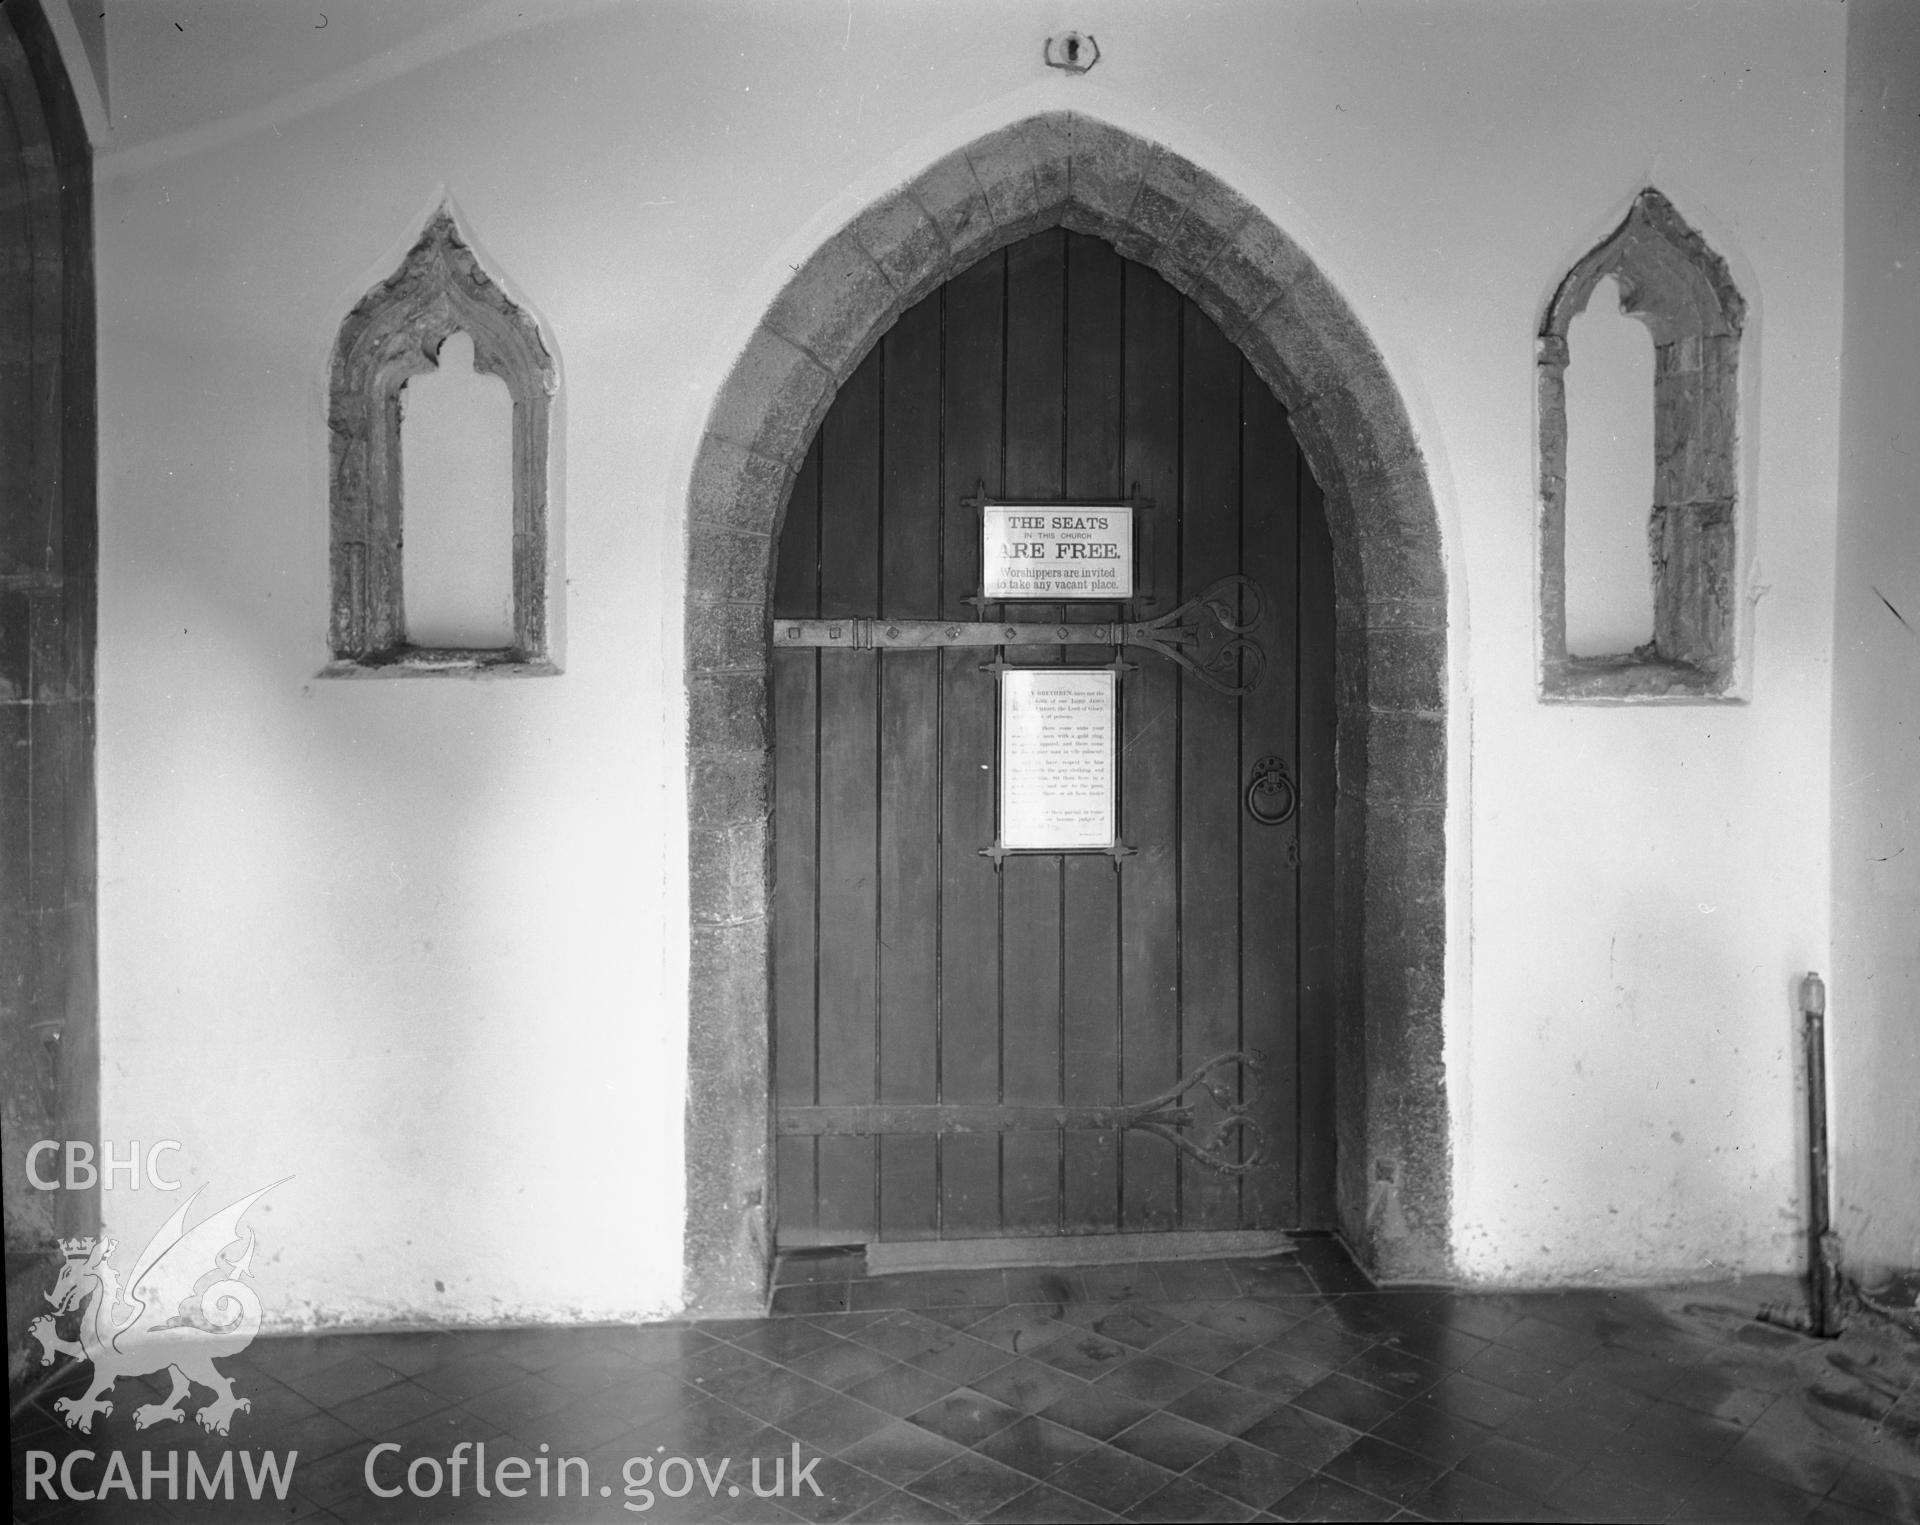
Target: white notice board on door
{"x": 1057, "y": 732}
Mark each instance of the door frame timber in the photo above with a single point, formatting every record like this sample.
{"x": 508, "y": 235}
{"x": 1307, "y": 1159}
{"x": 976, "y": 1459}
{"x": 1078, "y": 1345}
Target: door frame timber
{"x": 1393, "y": 1189}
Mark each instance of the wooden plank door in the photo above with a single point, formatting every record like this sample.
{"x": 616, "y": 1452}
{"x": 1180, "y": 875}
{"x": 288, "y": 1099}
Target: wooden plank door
{"x": 963, "y": 1049}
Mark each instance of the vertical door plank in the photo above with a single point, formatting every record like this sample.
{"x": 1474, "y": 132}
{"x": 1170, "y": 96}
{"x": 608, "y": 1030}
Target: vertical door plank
{"x": 1031, "y": 887}
{"x": 1210, "y": 767}
{"x": 1091, "y": 940}
{"x": 849, "y": 727}
{"x": 909, "y": 763}
{"x": 1269, "y": 531}
{"x": 796, "y": 735}
{"x": 1316, "y": 859}
{"x": 1150, "y": 757}
{"x": 969, "y": 1164}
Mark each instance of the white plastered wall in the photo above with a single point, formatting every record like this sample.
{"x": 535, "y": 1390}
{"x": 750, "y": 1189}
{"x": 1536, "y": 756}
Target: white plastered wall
{"x": 421, "y": 943}
{"x": 1874, "y": 1014}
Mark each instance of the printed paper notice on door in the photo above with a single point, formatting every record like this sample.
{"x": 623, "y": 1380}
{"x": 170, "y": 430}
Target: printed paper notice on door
{"x": 1054, "y": 552}
{"x": 1057, "y": 759}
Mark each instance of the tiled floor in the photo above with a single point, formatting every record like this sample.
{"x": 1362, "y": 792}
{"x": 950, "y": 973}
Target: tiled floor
{"x": 1281, "y": 1388}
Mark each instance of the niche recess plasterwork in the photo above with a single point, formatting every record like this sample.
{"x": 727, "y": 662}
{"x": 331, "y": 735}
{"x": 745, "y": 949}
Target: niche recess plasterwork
{"x": 395, "y": 332}
{"x": 1672, "y": 282}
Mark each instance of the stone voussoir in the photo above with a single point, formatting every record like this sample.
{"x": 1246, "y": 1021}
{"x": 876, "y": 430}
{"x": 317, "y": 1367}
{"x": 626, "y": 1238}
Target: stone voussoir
{"x": 724, "y": 563}
{"x": 733, "y": 486}
{"x": 834, "y": 304}
{"x": 950, "y": 195}
{"x": 769, "y": 398}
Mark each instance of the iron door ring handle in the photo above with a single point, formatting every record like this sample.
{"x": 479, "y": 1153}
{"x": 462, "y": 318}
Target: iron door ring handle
{"x": 1270, "y": 777}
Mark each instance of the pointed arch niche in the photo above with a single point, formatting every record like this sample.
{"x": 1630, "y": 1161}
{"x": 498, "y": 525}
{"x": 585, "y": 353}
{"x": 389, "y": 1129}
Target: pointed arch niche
{"x": 1681, "y": 290}
{"x": 1156, "y": 207}
{"x": 395, "y": 332}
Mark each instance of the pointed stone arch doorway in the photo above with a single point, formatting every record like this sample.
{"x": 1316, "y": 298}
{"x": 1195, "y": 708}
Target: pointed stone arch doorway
{"x": 1158, "y": 208}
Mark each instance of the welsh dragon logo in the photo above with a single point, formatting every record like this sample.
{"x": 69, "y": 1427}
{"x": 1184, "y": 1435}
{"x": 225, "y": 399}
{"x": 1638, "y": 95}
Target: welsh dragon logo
{"x": 184, "y": 1305}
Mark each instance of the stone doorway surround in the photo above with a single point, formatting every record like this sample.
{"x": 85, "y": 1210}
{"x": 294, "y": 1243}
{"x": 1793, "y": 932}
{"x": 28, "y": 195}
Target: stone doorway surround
{"x": 1156, "y": 207}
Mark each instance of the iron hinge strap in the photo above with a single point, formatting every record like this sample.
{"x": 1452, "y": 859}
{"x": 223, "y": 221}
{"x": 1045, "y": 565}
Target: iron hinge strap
{"x": 1210, "y": 635}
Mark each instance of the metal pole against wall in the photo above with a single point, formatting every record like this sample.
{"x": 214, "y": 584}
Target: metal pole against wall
{"x": 1823, "y": 1246}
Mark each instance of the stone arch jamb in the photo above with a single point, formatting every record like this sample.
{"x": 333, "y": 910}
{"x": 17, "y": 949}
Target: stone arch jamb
{"x": 1156, "y": 207}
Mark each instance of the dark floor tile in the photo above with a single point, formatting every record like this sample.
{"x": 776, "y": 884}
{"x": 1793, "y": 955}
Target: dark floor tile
{"x": 958, "y": 1316}
{"x": 1041, "y": 1284}
{"x": 965, "y": 1417}
{"x": 1084, "y": 1354}
{"x": 1027, "y": 1385}
{"x": 1184, "y": 1500}
{"x": 461, "y": 1380}
{"x": 1150, "y": 1379}
{"x": 1563, "y": 1431}
{"x": 1335, "y": 1277}
{"x": 901, "y": 1452}
{"x": 900, "y": 1390}
{"x": 970, "y": 1486}
{"x": 1733, "y": 1494}
{"x": 1195, "y": 1278}
{"x": 601, "y": 1369}
{"x": 1559, "y": 1343}
{"x": 1135, "y": 1324}
{"x": 1223, "y": 1406}
{"x": 1113, "y": 1480}
{"x": 1451, "y": 1348}
{"x": 965, "y": 1289}
{"x": 782, "y": 1339}
{"x": 1036, "y": 1446}
{"x": 896, "y": 1291}
{"x": 1041, "y": 1505}
{"x": 1354, "y": 1404}
{"x": 707, "y": 1427}
{"x": 1811, "y": 1468}
{"x": 721, "y": 1369}
{"x": 960, "y": 1358}
{"x": 1273, "y": 1372}
{"x": 1486, "y": 1315}
{"x": 1321, "y": 1344}
{"x": 778, "y": 1395}
{"x": 1307, "y": 1440}
{"x": 1168, "y": 1441}
{"x": 1270, "y": 1278}
{"x": 1096, "y": 1413}
{"x": 896, "y": 1507}
{"x": 1385, "y": 1367}
{"x": 1669, "y": 1429}
{"x": 1117, "y": 1284}
{"x": 839, "y": 1363}
{"x": 1022, "y": 1329}
{"x": 1432, "y": 1433}
{"x": 1378, "y": 1467}
{"x": 353, "y": 1376}
{"x": 412, "y": 1352}
{"x": 1205, "y": 1350}
{"x": 1871, "y": 1487}
{"x": 1249, "y": 1473}
{"x": 1830, "y": 1512}
{"x": 1322, "y": 1498}
{"x": 844, "y": 1490}
{"x": 819, "y": 1297}
{"x": 1601, "y": 1495}
{"x": 1515, "y": 1370}
{"x": 835, "y": 1423}
{"x": 1249, "y": 1321}
{"x": 387, "y": 1409}
{"x": 1519, "y": 1468}
{"x": 1481, "y": 1402}
{"x": 1636, "y": 1371}
{"x": 901, "y": 1334}
{"x": 1458, "y": 1496}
